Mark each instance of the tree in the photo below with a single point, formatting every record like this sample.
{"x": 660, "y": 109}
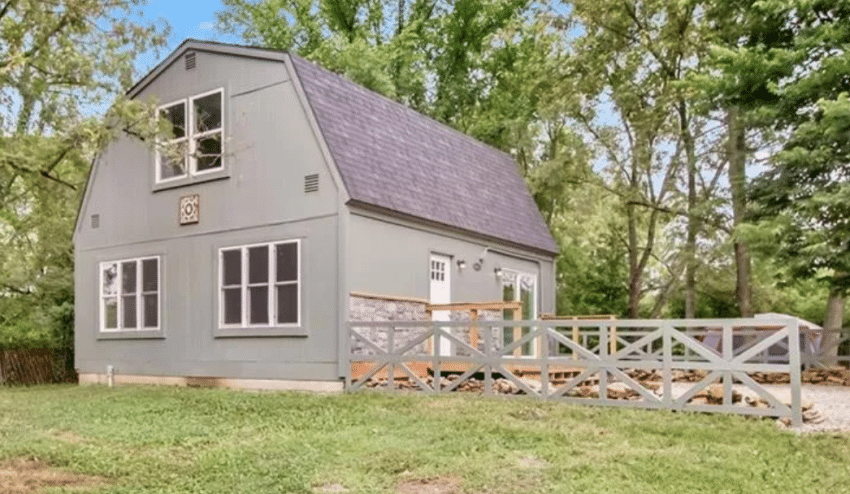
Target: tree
{"x": 648, "y": 126}
{"x": 792, "y": 66}
{"x": 433, "y": 55}
{"x": 62, "y": 62}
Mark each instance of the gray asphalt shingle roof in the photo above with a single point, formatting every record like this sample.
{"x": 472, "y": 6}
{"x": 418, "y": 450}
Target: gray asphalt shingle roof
{"x": 397, "y": 159}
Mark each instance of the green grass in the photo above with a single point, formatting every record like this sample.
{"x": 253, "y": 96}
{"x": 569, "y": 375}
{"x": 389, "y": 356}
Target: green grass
{"x": 163, "y": 440}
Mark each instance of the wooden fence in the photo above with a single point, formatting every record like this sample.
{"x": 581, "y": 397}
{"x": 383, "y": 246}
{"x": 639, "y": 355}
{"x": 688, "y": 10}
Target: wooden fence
{"x": 35, "y": 366}
{"x": 564, "y": 363}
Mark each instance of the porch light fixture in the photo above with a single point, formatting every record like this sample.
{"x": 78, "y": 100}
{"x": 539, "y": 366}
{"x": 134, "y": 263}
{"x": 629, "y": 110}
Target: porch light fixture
{"x": 461, "y": 264}
{"x": 498, "y": 272}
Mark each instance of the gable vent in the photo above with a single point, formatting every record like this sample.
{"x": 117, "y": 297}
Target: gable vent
{"x": 95, "y": 221}
{"x": 311, "y": 183}
{"x": 190, "y": 61}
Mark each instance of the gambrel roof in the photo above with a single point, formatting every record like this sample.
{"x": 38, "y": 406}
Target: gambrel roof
{"x": 397, "y": 161}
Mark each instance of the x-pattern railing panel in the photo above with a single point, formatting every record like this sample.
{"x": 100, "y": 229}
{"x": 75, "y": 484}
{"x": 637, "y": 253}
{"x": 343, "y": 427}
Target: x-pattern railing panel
{"x": 599, "y": 356}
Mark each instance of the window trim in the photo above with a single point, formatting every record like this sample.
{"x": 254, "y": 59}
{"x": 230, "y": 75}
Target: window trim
{"x": 140, "y": 331}
{"x": 190, "y": 138}
{"x": 271, "y": 328}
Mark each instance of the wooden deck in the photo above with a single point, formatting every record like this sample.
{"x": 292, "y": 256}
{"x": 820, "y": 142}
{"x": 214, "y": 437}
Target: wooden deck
{"x": 422, "y": 369}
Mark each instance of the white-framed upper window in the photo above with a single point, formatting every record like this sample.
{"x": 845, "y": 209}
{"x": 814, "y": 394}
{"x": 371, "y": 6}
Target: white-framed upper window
{"x": 194, "y": 143}
{"x": 130, "y": 295}
{"x": 260, "y": 285}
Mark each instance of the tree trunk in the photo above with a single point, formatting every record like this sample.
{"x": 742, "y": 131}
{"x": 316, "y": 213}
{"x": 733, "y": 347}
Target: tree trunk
{"x": 833, "y": 320}
{"x": 400, "y": 25}
{"x": 693, "y": 217}
{"x": 736, "y": 148}
{"x": 635, "y": 280}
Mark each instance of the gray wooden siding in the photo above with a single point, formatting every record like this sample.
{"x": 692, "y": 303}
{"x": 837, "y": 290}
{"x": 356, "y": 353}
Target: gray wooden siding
{"x": 189, "y": 321}
{"x": 270, "y": 147}
{"x": 390, "y": 257}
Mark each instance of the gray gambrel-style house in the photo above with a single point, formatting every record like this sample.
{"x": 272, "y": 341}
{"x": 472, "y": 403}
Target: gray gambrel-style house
{"x": 289, "y": 201}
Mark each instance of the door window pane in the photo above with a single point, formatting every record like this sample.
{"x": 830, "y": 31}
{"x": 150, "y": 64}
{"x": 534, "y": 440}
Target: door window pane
{"x": 526, "y": 296}
{"x": 287, "y": 304}
{"x": 287, "y": 262}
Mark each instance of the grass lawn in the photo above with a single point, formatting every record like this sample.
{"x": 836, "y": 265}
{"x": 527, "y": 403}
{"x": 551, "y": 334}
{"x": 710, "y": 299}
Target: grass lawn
{"x": 163, "y": 440}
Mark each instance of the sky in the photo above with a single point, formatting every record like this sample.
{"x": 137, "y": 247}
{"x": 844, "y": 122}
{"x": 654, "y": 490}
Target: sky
{"x": 188, "y": 19}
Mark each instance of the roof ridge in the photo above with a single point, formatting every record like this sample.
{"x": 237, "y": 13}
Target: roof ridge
{"x": 231, "y": 45}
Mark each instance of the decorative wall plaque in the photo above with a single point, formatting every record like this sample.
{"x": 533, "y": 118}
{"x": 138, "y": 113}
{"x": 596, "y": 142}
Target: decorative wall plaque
{"x": 190, "y": 209}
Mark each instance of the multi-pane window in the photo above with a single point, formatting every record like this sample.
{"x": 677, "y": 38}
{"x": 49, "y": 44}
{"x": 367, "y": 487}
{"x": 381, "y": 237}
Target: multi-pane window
{"x": 130, "y": 295}
{"x": 193, "y": 144}
{"x": 259, "y": 285}
{"x": 438, "y": 270}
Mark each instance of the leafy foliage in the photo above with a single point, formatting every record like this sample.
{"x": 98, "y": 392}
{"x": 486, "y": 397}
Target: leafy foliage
{"x": 60, "y": 63}
{"x": 795, "y": 56}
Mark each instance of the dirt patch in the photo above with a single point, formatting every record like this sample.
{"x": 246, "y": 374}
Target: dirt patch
{"x": 532, "y": 462}
{"x": 434, "y": 485}
{"x": 69, "y": 437}
{"x": 28, "y": 476}
{"x": 330, "y": 488}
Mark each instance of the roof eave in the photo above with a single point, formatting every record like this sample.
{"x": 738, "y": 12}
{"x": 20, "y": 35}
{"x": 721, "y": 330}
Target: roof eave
{"x": 208, "y": 47}
{"x": 365, "y": 206}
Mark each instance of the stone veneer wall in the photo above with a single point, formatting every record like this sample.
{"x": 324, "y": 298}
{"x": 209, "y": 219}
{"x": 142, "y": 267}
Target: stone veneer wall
{"x": 376, "y": 308}
{"x": 386, "y": 309}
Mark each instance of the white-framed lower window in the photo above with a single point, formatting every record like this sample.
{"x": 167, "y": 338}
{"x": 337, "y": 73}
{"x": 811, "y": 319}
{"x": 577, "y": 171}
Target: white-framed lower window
{"x": 260, "y": 285}
{"x": 194, "y": 142}
{"x": 130, "y": 295}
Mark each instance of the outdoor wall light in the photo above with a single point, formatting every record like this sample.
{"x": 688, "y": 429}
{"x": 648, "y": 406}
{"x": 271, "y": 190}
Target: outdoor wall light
{"x": 461, "y": 264}
{"x": 498, "y": 272}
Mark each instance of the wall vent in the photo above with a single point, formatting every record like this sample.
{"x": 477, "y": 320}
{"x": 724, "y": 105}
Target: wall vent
{"x": 311, "y": 183}
{"x": 190, "y": 61}
{"x": 95, "y": 221}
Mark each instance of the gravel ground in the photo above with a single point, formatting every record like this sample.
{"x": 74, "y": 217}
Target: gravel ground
{"x": 833, "y": 403}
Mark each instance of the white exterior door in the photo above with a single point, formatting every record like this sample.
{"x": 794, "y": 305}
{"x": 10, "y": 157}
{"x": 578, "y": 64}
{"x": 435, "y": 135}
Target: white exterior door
{"x": 441, "y": 293}
{"x": 520, "y": 287}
